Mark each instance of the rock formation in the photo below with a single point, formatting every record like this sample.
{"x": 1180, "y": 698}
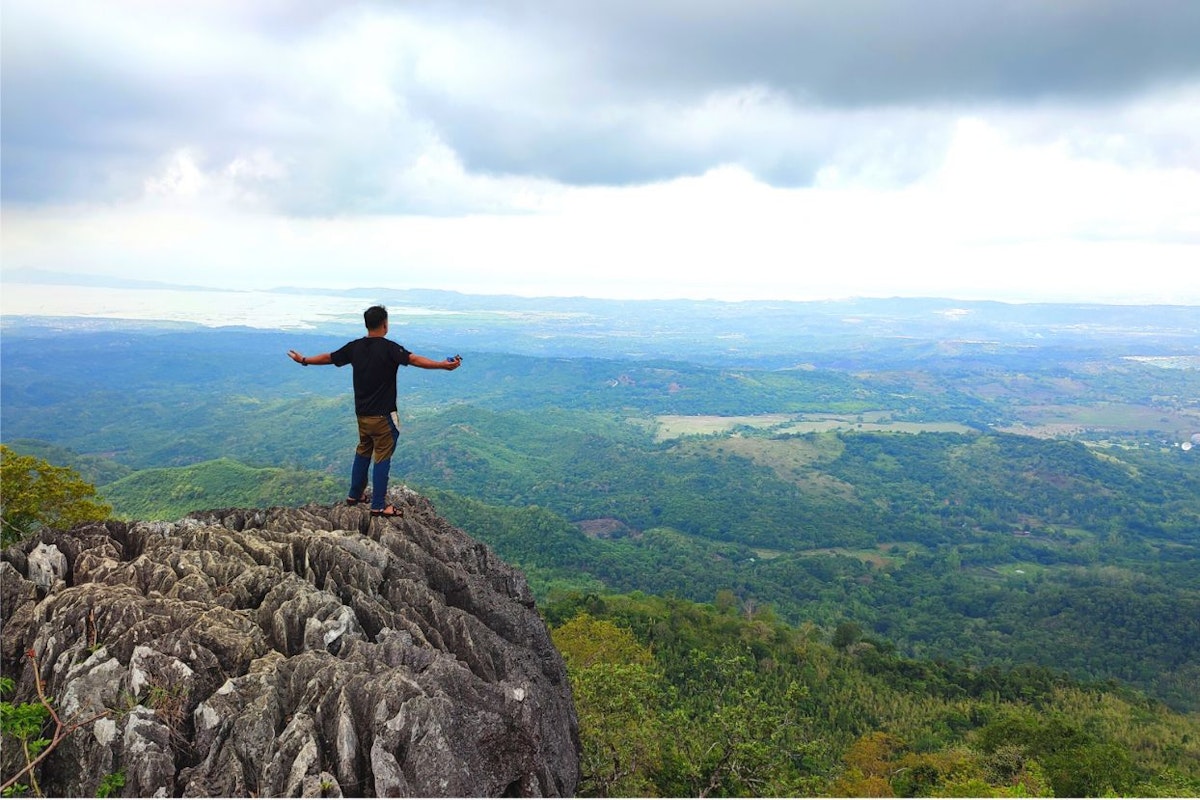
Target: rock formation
{"x": 315, "y": 651}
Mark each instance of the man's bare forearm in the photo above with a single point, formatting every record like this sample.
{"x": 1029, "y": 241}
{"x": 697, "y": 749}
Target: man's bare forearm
{"x": 323, "y": 358}
{"x": 415, "y": 360}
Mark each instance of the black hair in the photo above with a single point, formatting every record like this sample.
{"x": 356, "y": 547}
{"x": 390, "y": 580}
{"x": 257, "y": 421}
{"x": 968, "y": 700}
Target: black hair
{"x": 374, "y": 317}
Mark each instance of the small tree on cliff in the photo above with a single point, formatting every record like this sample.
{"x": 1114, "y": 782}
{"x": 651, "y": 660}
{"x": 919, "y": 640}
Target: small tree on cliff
{"x": 34, "y": 493}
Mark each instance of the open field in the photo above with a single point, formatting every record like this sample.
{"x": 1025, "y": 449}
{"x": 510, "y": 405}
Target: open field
{"x": 675, "y": 426}
{"x": 883, "y": 555}
{"x": 845, "y": 424}
{"x": 792, "y": 459}
{"x": 1053, "y": 421}
{"x": 1049, "y": 421}
{"x": 1168, "y": 362}
{"x": 672, "y": 426}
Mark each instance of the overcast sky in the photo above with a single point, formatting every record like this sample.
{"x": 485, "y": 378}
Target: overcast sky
{"x": 1011, "y": 149}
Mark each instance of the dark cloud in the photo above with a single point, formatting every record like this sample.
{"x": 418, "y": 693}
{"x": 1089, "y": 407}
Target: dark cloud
{"x": 866, "y": 52}
{"x": 776, "y": 141}
{"x": 832, "y": 70}
{"x": 612, "y": 92}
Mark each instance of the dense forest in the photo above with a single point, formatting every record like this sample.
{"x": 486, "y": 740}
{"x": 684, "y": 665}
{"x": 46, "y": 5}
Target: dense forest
{"x": 999, "y": 548}
{"x": 984, "y": 577}
{"x": 678, "y": 699}
{"x": 959, "y": 533}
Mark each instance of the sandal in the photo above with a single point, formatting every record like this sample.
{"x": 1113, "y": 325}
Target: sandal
{"x": 352, "y": 501}
{"x": 390, "y": 511}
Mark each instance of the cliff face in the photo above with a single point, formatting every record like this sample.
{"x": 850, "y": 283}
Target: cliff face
{"x": 311, "y": 651}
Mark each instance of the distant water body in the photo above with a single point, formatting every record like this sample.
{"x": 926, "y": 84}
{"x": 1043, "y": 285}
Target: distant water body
{"x": 213, "y": 308}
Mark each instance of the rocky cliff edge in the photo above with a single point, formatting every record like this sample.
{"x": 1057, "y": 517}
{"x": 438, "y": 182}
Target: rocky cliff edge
{"x": 312, "y": 651}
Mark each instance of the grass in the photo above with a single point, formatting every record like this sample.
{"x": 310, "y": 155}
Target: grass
{"x": 793, "y": 460}
{"x": 833, "y": 424}
{"x": 169, "y": 493}
{"x": 1043, "y": 421}
{"x": 883, "y": 555}
{"x": 766, "y": 553}
{"x": 1020, "y": 569}
{"x": 672, "y": 426}
{"x": 1051, "y": 421}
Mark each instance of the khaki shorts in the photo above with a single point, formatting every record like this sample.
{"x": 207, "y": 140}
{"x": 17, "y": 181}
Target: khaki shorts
{"x": 377, "y": 436}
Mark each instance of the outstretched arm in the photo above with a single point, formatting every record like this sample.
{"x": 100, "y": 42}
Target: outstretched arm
{"x": 415, "y": 360}
{"x": 324, "y": 358}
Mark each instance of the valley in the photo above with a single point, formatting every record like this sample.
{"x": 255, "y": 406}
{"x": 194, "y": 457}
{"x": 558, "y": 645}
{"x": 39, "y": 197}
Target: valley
{"x": 980, "y": 485}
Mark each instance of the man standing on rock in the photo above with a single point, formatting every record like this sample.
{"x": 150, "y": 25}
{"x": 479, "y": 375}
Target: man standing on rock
{"x": 375, "y": 359}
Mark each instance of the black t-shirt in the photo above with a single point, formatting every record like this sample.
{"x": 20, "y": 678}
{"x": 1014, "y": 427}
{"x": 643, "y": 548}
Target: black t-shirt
{"x": 375, "y": 361}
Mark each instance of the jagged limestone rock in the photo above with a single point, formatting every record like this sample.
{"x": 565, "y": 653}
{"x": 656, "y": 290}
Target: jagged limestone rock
{"x": 297, "y": 652}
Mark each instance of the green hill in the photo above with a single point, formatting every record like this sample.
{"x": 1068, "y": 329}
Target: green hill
{"x": 729, "y": 698}
{"x": 96, "y": 470}
{"x": 172, "y": 492}
{"x": 677, "y": 699}
{"x": 999, "y": 548}
{"x": 988, "y": 548}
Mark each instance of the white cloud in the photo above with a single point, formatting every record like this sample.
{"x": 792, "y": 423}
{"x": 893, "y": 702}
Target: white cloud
{"x": 998, "y": 219}
{"x": 595, "y": 149}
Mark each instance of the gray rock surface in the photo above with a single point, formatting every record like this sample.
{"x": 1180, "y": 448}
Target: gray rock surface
{"x": 296, "y": 652}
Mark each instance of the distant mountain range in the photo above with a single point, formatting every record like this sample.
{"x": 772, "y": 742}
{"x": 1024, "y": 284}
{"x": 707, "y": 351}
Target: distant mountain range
{"x": 845, "y": 333}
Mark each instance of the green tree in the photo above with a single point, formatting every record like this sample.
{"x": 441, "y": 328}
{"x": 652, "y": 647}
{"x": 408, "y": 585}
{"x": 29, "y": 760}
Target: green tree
{"x": 847, "y": 633}
{"x": 24, "y": 722}
{"x": 736, "y": 731}
{"x": 869, "y": 767}
{"x": 1078, "y": 763}
{"x": 618, "y": 691}
{"x": 34, "y": 493}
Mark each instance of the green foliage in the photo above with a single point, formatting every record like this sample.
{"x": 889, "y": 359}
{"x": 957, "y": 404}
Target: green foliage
{"x": 24, "y": 724}
{"x": 680, "y": 699}
{"x": 525, "y": 535}
{"x": 96, "y": 470}
{"x": 585, "y": 641}
{"x": 111, "y": 784}
{"x": 617, "y": 692}
{"x": 749, "y": 733}
{"x": 1076, "y": 762}
{"x": 34, "y": 494}
{"x": 172, "y": 492}
{"x": 950, "y": 600}
{"x": 847, "y": 633}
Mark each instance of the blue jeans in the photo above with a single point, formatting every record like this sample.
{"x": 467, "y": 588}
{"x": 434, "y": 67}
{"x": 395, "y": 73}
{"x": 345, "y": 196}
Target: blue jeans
{"x": 376, "y": 442}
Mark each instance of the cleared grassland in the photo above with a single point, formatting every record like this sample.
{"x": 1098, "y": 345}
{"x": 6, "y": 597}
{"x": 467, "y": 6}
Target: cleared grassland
{"x": 793, "y": 460}
{"x": 821, "y": 425}
{"x": 881, "y": 557}
{"x": 672, "y": 426}
{"x": 675, "y": 426}
{"x": 1052, "y": 421}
